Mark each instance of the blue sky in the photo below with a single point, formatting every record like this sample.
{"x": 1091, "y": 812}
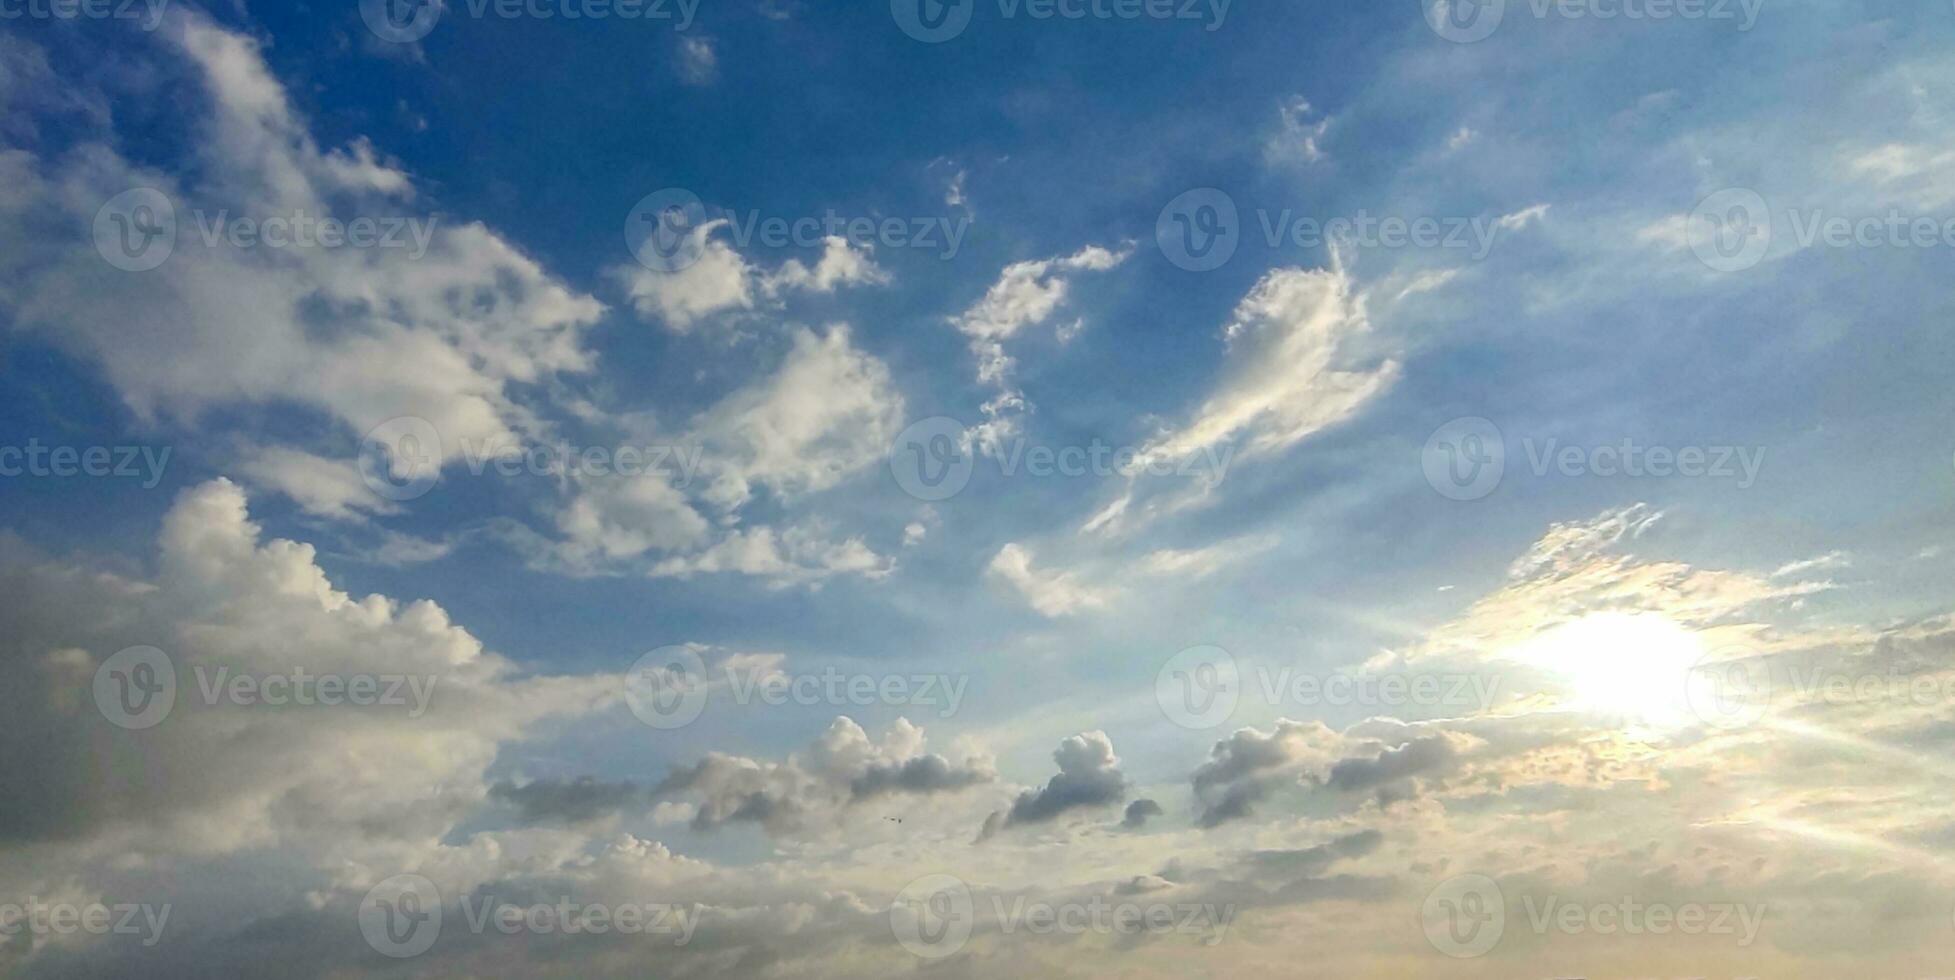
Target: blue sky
{"x": 1303, "y": 403}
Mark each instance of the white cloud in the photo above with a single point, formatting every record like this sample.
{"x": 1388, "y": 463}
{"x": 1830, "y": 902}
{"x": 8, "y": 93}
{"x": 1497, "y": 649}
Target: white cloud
{"x": 827, "y": 413}
{"x": 229, "y": 777}
{"x": 1025, "y": 295}
{"x": 1285, "y": 378}
{"x": 699, "y": 64}
{"x": 1298, "y": 139}
{"x": 360, "y": 335}
{"x": 1052, "y": 593}
{"x": 1522, "y": 218}
{"x": 719, "y": 281}
{"x": 327, "y": 487}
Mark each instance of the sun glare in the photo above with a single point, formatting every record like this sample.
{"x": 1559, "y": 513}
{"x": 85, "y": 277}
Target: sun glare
{"x": 1630, "y": 664}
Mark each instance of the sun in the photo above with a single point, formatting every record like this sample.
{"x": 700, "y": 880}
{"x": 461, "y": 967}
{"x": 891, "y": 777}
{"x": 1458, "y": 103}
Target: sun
{"x": 1629, "y": 664}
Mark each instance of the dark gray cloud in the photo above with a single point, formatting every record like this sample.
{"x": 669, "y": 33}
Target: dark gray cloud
{"x": 577, "y": 800}
{"x": 1138, "y": 813}
{"x": 1089, "y": 776}
{"x": 921, "y": 775}
{"x": 1312, "y": 861}
{"x": 1430, "y": 754}
{"x": 1243, "y": 769}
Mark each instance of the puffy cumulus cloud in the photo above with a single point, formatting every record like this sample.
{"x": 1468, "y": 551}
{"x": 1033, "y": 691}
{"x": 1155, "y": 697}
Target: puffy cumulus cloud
{"x": 1243, "y": 768}
{"x": 223, "y": 774}
{"x": 812, "y": 791}
{"x": 828, "y": 412}
{"x": 1026, "y": 294}
{"x": 471, "y": 335}
{"x": 1052, "y": 593}
{"x": 1392, "y": 769}
{"x": 1089, "y": 776}
{"x": 448, "y": 328}
{"x": 610, "y": 520}
{"x": 1139, "y": 812}
{"x": 1292, "y": 369}
{"x": 720, "y": 282}
{"x": 1382, "y": 756}
{"x": 717, "y": 281}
